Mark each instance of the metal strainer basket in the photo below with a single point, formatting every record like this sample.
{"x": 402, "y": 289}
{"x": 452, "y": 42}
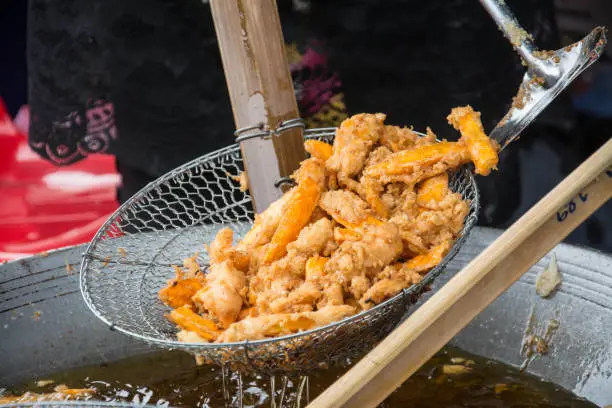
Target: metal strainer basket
{"x": 130, "y": 259}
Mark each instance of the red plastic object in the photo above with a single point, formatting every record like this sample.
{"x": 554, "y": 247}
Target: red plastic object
{"x": 44, "y": 207}
{"x": 73, "y": 236}
{"x": 10, "y": 138}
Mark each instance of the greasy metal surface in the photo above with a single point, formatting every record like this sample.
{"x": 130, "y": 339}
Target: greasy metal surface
{"x": 580, "y": 357}
{"x": 548, "y": 72}
{"x": 518, "y": 37}
{"x": 44, "y": 324}
{"x": 580, "y": 352}
{"x": 130, "y": 260}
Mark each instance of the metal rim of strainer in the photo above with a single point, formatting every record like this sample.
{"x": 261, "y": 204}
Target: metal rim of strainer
{"x": 320, "y": 133}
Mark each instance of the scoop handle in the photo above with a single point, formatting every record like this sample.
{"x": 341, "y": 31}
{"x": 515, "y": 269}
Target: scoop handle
{"x": 261, "y": 91}
{"x": 520, "y": 39}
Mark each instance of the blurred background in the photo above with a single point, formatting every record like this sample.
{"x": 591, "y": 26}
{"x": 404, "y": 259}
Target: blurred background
{"x": 376, "y": 58}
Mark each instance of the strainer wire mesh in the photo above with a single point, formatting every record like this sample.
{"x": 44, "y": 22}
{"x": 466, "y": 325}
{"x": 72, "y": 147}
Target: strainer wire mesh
{"x": 130, "y": 259}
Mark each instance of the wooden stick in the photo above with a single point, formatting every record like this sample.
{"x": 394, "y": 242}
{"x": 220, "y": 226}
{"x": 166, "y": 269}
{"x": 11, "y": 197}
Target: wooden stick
{"x": 261, "y": 90}
{"x": 469, "y": 292}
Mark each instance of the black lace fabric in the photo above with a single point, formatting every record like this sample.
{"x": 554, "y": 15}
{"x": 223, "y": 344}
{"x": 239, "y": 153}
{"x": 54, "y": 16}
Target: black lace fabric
{"x": 139, "y": 79}
{"x": 143, "y": 80}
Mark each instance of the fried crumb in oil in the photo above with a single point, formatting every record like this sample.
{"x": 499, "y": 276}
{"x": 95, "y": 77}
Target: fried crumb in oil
{"x": 241, "y": 179}
{"x": 44, "y": 383}
{"x": 455, "y": 369}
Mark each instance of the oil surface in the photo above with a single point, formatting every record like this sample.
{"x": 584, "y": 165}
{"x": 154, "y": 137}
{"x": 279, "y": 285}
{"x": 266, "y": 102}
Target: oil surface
{"x": 453, "y": 378}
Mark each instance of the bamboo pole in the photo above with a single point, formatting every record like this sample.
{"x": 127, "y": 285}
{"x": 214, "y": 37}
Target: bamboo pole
{"x": 261, "y": 90}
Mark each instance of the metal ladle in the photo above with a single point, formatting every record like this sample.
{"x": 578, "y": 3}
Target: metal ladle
{"x": 548, "y": 72}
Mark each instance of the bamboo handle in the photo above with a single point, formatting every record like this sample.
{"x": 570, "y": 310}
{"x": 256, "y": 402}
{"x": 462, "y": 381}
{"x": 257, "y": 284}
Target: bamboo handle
{"x": 486, "y": 277}
{"x": 261, "y": 90}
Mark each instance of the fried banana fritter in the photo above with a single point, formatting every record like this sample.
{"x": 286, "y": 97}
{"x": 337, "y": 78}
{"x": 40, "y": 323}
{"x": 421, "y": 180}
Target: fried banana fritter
{"x": 369, "y": 216}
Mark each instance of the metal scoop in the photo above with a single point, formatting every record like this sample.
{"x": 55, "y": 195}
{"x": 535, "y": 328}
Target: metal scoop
{"x": 548, "y": 72}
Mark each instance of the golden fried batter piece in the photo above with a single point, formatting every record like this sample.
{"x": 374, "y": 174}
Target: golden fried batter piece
{"x": 399, "y": 198}
{"x": 221, "y": 249}
{"x": 354, "y": 140}
{"x": 315, "y": 268}
{"x": 186, "y": 336}
{"x": 380, "y": 291}
{"x": 285, "y": 290}
{"x": 378, "y": 155}
{"x": 424, "y": 263}
{"x": 398, "y": 276}
{"x": 272, "y": 325}
{"x": 284, "y": 286}
{"x": 369, "y": 188}
{"x": 333, "y": 295}
{"x": 248, "y": 312}
{"x": 357, "y": 136}
{"x": 433, "y": 226}
{"x": 311, "y": 182}
{"x": 180, "y": 290}
{"x": 192, "y": 267}
{"x": 432, "y": 189}
{"x": 396, "y": 138}
{"x": 301, "y": 299}
{"x": 429, "y": 138}
{"x": 189, "y": 320}
{"x": 265, "y": 224}
{"x": 380, "y": 245}
{"x": 359, "y": 285}
{"x": 345, "y": 207}
{"x": 222, "y": 294}
{"x": 400, "y": 272}
{"x": 414, "y": 165}
{"x": 313, "y": 239}
{"x": 241, "y": 179}
{"x": 346, "y": 234}
{"x": 318, "y": 149}
{"x": 371, "y": 191}
{"x": 413, "y": 243}
{"x": 483, "y": 150}
{"x": 298, "y": 213}
{"x": 331, "y": 292}
{"x": 313, "y": 169}
{"x": 276, "y": 280}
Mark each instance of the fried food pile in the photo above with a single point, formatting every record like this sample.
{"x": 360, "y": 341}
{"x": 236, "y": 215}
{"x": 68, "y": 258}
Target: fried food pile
{"x": 368, "y": 217}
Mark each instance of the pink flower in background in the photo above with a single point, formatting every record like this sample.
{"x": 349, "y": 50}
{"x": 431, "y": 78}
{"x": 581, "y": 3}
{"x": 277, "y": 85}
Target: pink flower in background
{"x": 315, "y": 85}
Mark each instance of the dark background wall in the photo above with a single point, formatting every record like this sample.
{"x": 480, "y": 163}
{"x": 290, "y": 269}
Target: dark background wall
{"x": 13, "y": 72}
{"x": 546, "y": 154}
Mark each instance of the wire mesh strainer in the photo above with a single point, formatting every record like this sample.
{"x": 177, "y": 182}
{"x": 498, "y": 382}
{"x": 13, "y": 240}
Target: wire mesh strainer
{"x": 130, "y": 259}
